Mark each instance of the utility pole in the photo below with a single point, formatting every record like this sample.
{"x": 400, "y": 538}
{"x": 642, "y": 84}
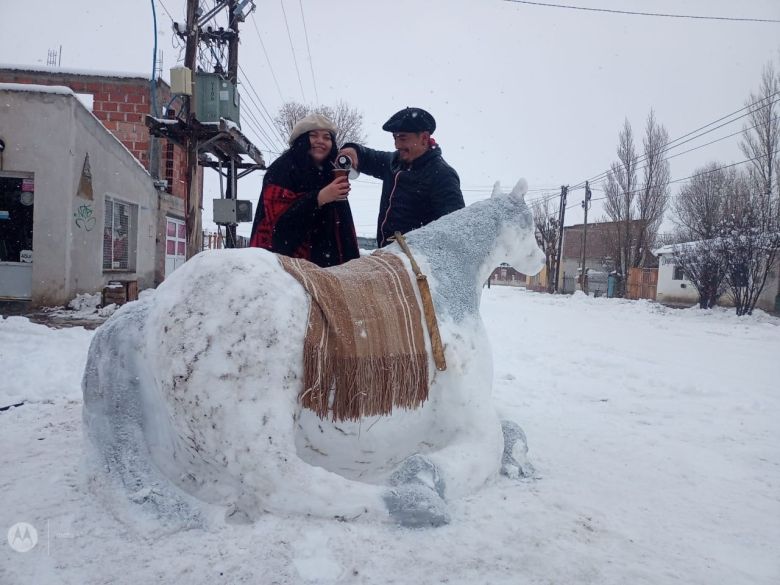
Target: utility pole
{"x": 561, "y": 217}
{"x": 585, "y": 206}
{"x": 207, "y": 139}
{"x": 193, "y": 204}
{"x": 232, "y": 72}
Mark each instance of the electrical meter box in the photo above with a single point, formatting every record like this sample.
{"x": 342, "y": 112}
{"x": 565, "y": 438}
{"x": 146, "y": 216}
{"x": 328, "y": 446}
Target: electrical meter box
{"x": 230, "y": 211}
{"x": 181, "y": 81}
{"x": 216, "y": 98}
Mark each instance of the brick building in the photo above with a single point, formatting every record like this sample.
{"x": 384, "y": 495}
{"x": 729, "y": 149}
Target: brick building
{"x": 75, "y": 125}
{"x": 120, "y": 101}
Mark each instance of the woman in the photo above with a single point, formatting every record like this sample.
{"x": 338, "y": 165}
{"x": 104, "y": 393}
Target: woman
{"x": 303, "y": 210}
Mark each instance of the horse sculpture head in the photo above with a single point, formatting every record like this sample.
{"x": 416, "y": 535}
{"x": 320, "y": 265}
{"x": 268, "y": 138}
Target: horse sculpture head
{"x": 517, "y": 240}
{"x": 463, "y": 248}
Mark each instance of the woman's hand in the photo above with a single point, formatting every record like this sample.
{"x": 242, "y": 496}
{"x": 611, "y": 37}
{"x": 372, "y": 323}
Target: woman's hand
{"x": 338, "y": 190}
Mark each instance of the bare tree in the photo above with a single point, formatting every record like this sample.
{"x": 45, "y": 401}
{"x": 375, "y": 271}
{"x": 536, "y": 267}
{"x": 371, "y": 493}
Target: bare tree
{"x": 546, "y": 223}
{"x": 653, "y": 194}
{"x": 620, "y": 191}
{"x": 761, "y": 137}
{"x": 749, "y": 242}
{"x": 348, "y": 120}
{"x": 704, "y": 267}
{"x": 699, "y": 207}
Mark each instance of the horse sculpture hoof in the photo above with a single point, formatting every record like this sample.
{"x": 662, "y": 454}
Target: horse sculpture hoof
{"x": 416, "y": 499}
{"x": 514, "y": 461}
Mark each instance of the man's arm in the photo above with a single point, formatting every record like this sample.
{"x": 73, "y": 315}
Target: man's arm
{"x": 375, "y": 163}
{"x": 445, "y": 194}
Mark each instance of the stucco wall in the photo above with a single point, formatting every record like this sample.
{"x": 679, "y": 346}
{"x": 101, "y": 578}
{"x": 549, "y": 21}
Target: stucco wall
{"x": 672, "y": 292}
{"x": 49, "y": 134}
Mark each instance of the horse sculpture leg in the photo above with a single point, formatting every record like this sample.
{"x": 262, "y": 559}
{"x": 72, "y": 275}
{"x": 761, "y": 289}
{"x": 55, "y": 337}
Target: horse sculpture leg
{"x": 514, "y": 460}
{"x": 416, "y": 498}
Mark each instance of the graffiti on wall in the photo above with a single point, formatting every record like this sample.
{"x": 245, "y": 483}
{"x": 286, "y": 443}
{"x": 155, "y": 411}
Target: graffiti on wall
{"x": 84, "y": 217}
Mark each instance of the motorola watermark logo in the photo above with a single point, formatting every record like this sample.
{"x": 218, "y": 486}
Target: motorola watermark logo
{"x": 22, "y": 537}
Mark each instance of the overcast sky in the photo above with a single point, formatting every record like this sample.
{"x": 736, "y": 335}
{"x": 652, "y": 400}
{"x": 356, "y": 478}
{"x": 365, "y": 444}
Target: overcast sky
{"x": 517, "y": 90}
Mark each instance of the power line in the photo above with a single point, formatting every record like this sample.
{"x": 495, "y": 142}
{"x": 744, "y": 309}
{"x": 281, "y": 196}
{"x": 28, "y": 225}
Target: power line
{"x": 269, "y": 135}
{"x": 270, "y": 139}
{"x": 166, "y": 10}
{"x": 716, "y": 140}
{"x": 699, "y": 174}
{"x": 308, "y": 48}
{"x": 681, "y": 140}
{"x": 270, "y": 66}
{"x": 658, "y": 14}
{"x": 663, "y": 150}
{"x": 292, "y": 49}
{"x": 260, "y": 134}
{"x": 267, "y": 116}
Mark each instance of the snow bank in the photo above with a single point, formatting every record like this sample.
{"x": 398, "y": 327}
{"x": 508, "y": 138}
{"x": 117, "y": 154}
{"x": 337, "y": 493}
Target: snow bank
{"x": 39, "y": 364}
{"x": 654, "y": 433}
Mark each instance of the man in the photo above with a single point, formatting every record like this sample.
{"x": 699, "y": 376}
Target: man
{"x": 418, "y": 186}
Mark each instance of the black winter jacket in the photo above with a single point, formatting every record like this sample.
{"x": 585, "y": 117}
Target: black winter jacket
{"x": 414, "y": 194}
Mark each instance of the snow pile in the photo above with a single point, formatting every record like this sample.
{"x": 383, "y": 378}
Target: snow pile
{"x": 85, "y": 301}
{"x": 39, "y": 364}
{"x": 84, "y": 307}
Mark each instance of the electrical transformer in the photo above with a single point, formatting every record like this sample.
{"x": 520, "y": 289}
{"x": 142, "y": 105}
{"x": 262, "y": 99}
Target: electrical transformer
{"x": 216, "y": 98}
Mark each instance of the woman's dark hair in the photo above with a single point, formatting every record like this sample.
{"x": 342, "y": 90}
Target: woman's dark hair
{"x": 301, "y": 147}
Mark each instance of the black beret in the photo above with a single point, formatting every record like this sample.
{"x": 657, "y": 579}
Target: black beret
{"x": 410, "y": 120}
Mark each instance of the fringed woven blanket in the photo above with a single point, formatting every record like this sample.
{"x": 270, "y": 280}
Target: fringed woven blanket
{"x": 364, "y": 350}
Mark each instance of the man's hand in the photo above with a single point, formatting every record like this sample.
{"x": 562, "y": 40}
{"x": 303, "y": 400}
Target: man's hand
{"x": 338, "y": 190}
{"x": 352, "y": 154}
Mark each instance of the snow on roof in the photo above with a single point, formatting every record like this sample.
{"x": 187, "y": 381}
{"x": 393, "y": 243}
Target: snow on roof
{"x": 58, "y": 89}
{"x": 66, "y": 71}
{"x": 66, "y": 91}
{"x": 668, "y": 249}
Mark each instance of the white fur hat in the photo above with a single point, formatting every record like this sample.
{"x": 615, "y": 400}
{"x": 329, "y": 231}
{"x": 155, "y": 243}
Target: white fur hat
{"x": 309, "y": 123}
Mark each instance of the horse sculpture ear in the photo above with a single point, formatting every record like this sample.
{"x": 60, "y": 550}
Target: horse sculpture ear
{"x": 496, "y": 189}
{"x": 520, "y": 189}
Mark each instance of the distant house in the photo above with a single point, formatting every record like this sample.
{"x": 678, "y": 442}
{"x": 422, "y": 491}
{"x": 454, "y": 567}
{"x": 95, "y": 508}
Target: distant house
{"x": 366, "y": 243}
{"x": 505, "y": 275}
{"x": 600, "y": 255}
{"x": 674, "y": 289}
{"x": 85, "y": 195}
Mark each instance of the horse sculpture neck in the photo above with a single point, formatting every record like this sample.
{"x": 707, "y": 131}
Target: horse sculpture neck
{"x": 463, "y": 248}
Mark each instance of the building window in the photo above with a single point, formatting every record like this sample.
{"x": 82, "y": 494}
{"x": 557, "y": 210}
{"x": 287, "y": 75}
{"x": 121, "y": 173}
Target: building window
{"x": 119, "y": 235}
{"x": 679, "y": 273}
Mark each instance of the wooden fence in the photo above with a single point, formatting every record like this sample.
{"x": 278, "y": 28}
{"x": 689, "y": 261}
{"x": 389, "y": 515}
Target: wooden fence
{"x": 642, "y": 283}
{"x": 216, "y": 241}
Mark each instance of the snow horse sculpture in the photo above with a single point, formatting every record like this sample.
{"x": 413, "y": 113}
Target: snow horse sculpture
{"x": 191, "y": 394}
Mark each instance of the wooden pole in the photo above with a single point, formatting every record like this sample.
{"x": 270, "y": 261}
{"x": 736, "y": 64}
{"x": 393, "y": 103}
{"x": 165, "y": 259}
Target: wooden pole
{"x": 232, "y": 72}
{"x": 585, "y": 206}
{"x": 561, "y": 217}
{"x": 193, "y": 203}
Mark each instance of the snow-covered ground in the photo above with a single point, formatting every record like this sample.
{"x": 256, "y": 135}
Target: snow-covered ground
{"x": 654, "y": 433}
